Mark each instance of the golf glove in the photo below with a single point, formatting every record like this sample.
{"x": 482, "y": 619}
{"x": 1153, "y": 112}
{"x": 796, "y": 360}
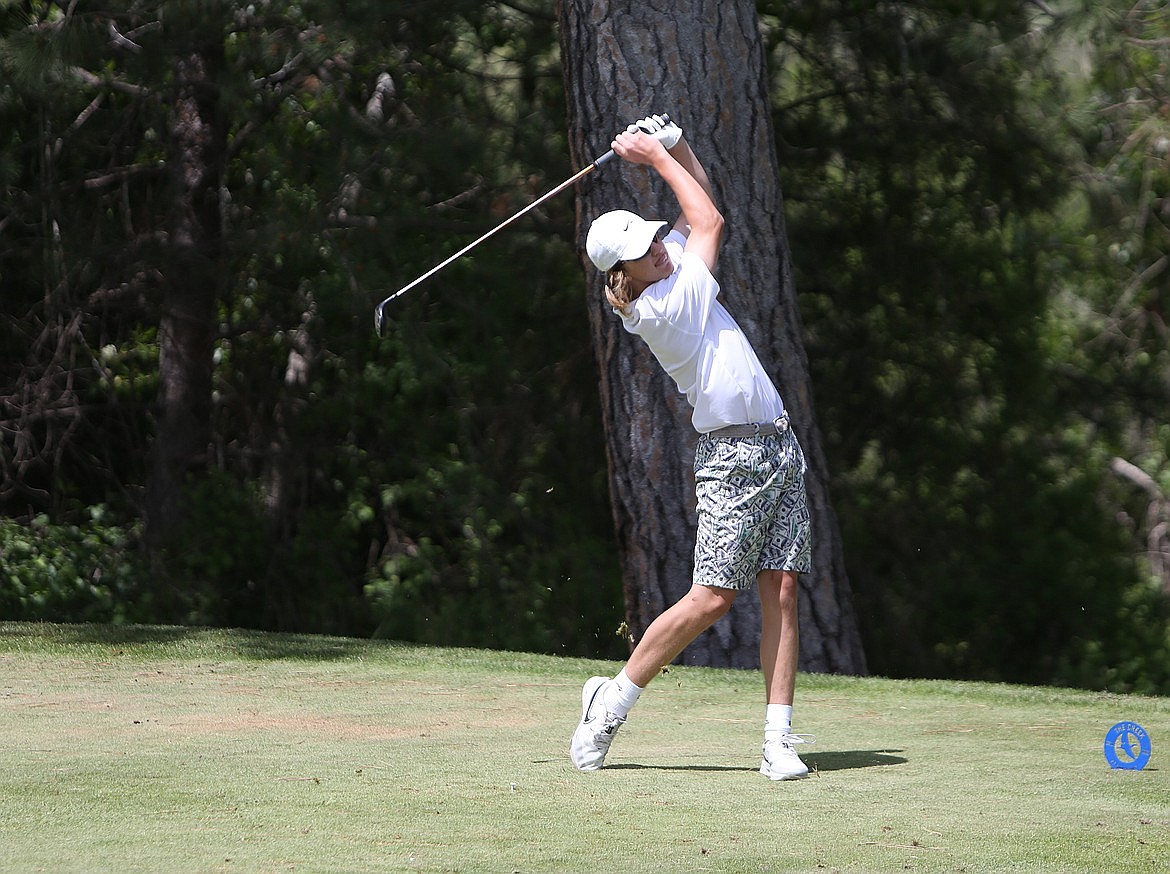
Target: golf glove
{"x": 661, "y": 128}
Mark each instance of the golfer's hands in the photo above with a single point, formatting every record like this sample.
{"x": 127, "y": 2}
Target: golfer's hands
{"x": 638, "y": 148}
{"x": 646, "y": 140}
{"x": 661, "y": 128}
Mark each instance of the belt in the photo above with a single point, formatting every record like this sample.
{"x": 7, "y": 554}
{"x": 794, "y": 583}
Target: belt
{"x": 759, "y": 429}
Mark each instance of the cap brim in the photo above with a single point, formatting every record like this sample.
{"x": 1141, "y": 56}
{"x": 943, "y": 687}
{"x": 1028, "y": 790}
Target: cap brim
{"x": 640, "y": 239}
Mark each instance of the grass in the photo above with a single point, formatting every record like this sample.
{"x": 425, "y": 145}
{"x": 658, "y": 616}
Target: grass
{"x": 180, "y": 750}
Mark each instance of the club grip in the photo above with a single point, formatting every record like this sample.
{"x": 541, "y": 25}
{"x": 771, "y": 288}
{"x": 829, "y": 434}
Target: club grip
{"x": 608, "y": 156}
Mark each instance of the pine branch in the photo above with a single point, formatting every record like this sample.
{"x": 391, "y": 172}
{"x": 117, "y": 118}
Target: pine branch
{"x": 95, "y": 81}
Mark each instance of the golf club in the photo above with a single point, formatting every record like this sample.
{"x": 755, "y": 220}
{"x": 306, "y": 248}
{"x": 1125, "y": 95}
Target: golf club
{"x": 380, "y": 309}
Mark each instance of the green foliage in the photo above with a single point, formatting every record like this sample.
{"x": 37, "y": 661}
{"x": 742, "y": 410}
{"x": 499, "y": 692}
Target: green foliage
{"x": 977, "y": 230}
{"x": 487, "y": 509}
{"x": 922, "y": 164}
{"x": 1112, "y": 276}
{"x": 364, "y": 143}
{"x": 84, "y": 572}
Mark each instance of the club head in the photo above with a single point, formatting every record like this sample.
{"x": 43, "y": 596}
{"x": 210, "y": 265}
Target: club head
{"x": 380, "y": 320}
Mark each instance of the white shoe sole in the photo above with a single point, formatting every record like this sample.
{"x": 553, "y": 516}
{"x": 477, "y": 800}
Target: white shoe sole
{"x": 778, "y": 777}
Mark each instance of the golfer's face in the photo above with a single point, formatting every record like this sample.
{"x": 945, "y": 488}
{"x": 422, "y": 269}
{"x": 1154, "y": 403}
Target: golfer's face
{"x": 652, "y": 266}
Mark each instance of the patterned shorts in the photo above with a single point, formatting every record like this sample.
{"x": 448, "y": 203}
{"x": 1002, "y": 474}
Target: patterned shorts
{"x": 753, "y": 514}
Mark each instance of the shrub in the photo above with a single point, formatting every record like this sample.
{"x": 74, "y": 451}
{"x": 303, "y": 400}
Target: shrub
{"x": 70, "y": 572}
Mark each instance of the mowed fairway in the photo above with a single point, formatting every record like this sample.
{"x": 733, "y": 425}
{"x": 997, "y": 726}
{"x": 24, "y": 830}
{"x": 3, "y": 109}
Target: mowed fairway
{"x": 178, "y": 750}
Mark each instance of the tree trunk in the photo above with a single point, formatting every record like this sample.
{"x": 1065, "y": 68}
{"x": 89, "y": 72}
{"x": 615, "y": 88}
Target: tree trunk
{"x": 704, "y": 65}
{"x": 187, "y": 317}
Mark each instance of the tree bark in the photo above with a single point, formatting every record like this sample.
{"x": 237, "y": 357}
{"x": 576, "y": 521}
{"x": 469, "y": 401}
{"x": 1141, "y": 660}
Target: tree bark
{"x": 702, "y": 62}
{"x": 187, "y": 316}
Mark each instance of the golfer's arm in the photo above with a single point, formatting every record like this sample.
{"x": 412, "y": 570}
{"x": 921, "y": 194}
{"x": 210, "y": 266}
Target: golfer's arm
{"x": 701, "y": 221}
{"x": 681, "y": 152}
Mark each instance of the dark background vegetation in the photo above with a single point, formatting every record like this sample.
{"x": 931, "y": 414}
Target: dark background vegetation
{"x": 977, "y": 206}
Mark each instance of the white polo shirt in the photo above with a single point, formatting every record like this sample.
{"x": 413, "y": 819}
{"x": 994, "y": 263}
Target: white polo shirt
{"x": 700, "y": 345}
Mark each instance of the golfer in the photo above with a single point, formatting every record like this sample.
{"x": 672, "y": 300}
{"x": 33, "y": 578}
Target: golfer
{"x": 753, "y": 521}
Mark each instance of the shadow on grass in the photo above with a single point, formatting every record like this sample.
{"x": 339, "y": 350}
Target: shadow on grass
{"x": 632, "y": 766}
{"x": 251, "y": 644}
{"x": 847, "y": 759}
{"x": 836, "y": 761}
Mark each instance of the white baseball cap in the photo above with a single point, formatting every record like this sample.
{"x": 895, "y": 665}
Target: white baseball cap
{"x": 619, "y": 236}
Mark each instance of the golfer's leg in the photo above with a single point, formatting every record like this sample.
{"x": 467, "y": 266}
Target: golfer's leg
{"x": 673, "y": 630}
{"x": 779, "y": 634}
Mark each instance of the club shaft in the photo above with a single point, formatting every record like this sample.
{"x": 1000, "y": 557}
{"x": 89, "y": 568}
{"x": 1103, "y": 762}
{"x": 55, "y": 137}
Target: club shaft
{"x": 576, "y": 176}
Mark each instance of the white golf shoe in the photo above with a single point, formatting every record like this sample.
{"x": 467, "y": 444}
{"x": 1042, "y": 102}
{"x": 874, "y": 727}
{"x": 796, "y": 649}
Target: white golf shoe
{"x": 596, "y": 729}
{"x": 780, "y": 759}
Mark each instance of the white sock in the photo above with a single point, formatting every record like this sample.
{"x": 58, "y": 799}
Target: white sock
{"x": 777, "y": 721}
{"x": 621, "y": 695}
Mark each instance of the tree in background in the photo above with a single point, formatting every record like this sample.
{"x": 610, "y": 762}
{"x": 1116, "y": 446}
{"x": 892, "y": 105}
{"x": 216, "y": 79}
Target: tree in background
{"x": 974, "y": 202}
{"x": 926, "y": 153}
{"x": 620, "y": 68}
{"x": 1119, "y": 333}
{"x": 214, "y": 194}
{"x": 1107, "y": 333}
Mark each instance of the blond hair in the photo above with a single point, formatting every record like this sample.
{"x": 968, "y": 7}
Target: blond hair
{"x": 618, "y": 288}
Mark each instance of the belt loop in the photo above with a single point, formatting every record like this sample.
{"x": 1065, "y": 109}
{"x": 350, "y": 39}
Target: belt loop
{"x": 781, "y": 422}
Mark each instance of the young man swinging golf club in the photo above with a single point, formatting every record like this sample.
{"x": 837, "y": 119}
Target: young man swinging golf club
{"x": 753, "y": 521}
